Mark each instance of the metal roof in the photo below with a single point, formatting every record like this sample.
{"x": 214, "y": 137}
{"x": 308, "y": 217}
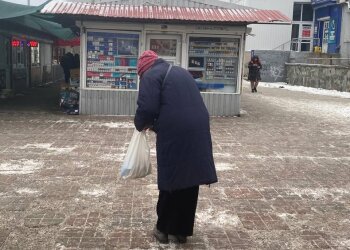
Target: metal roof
{"x": 178, "y": 3}
{"x": 164, "y": 13}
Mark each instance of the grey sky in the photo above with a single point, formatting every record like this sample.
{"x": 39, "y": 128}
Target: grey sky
{"x": 32, "y": 2}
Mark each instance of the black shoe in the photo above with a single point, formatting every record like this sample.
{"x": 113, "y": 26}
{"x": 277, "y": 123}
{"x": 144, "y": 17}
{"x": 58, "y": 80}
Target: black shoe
{"x": 181, "y": 239}
{"x": 161, "y": 237}
{"x": 255, "y": 90}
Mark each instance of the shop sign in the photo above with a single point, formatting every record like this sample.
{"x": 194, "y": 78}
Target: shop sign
{"x": 313, "y": 2}
{"x": 18, "y": 43}
{"x": 331, "y": 32}
{"x": 306, "y": 32}
{"x": 211, "y": 28}
{"x": 32, "y": 43}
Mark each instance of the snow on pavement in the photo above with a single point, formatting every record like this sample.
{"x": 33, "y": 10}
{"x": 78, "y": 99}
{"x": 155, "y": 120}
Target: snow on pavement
{"x": 314, "y": 107}
{"x": 316, "y": 91}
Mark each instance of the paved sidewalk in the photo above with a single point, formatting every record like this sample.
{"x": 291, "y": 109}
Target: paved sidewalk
{"x": 283, "y": 166}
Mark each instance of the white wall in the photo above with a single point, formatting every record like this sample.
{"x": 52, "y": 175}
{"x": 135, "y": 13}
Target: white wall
{"x": 270, "y": 36}
{"x": 345, "y": 33}
{"x": 45, "y": 54}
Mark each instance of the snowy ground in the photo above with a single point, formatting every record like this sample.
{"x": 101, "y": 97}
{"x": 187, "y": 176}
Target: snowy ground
{"x": 283, "y": 169}
{"x": 329, "y": 104}
{"x": 309, "y": 90}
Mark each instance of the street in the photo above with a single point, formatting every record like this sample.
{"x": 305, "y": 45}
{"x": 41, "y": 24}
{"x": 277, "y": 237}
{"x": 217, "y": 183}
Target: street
{"x": 283, "y": 168}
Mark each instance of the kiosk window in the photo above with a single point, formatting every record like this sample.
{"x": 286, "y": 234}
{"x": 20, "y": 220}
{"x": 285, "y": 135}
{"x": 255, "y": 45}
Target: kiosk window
{"x": 213, "y": 62}
{"x": 112, "y": 60}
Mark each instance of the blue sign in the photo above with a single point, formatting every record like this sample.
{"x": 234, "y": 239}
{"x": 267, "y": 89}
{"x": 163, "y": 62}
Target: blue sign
{"x": 331, "y": 32}
{"x": 314, "y": 2}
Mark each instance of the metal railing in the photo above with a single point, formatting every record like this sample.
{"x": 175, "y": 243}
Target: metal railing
{"x": 284, "y": 46}
{"x": 295, "y": 44}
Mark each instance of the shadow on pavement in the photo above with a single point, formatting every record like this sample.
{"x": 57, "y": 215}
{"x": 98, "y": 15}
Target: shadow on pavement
{"x": 39, "y": 99}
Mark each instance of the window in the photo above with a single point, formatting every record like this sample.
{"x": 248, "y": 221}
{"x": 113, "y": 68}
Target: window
{"x": 112, "y": 60}
{"x": 297, "y": 11}
{"x": 35, "y": 56}
{"x": 308, "y": 13}
{"x": 213, "y": 63}
{"x": 302, "y": 12}
{"x": 305, "y": 45}
{"x": 295, "y": 31}
{"x": 302, "y": 27}
{"x": 164, "y": 47}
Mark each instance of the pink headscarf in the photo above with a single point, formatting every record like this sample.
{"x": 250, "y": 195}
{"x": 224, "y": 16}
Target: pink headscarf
{"x": 146, "y": 60}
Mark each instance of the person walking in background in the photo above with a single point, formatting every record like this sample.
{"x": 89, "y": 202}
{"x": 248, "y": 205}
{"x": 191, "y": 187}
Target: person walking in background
{"x": 254, "y": 73}
{"x": 170, "y": 104}
{"x": 67, "y": 63}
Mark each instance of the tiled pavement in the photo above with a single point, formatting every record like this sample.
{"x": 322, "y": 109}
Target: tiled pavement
{"x": 283, "y": 166}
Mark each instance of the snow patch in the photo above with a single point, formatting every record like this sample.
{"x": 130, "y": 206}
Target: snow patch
{"x": 282, "y": 157}
{"x": 209, "y": 216}
{"x": 37, "y": 145}
{"x": 96, "y": 192}
{"x": 344, "y": 243}
{"x": 285, "y": 216}
{"x": 152, "y": 189}
{"x": 222, "y": 166}
{"x": 15, "y": 167}
{"x": 67, "y": 121}
{"x": 223, "y": 155}
{"x": 320, "y": 193}
{"x": 117, "y": 125}
{"x": 112, "y": 157}
{"x": 243, "y": 112}
{"x": 48, "y": 146}
{"x": 59, "y": 246}
{"x": 157, "y": 246}
{"x": 118, "y": 156}
{"x": 260, "y": 157}
{"x": 24, "y": 191}
{"x": 316, "y": 91}
{"x": 329, "y": 110}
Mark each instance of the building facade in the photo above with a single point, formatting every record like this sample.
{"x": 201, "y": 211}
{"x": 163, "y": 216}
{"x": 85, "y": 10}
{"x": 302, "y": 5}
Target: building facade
{"x": 210, "y": 44}
{"x": 328, "y": 25}
{"x": 297, "y": 36}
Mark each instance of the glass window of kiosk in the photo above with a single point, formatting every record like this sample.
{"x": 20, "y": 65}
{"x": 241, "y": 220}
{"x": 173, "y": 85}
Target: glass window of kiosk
{"x": 112, "y": 60}
{"x": 164, "y": 47}
{"x": 213, "y": 63}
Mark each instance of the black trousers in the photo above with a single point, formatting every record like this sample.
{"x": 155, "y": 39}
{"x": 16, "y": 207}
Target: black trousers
{"x": 66, "y": 72}
{"x": 176, "y": 211}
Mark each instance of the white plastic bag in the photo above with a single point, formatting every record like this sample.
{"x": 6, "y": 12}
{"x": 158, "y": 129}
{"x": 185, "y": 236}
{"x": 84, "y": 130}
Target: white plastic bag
{"x": 137, "y": 162}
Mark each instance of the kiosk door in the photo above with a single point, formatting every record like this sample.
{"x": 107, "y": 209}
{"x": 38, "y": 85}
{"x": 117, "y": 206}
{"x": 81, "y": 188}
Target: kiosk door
{"x": 167, "y": 47}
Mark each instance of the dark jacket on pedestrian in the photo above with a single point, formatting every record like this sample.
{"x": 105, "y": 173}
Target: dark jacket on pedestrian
{"x": 254, "y": 70}
{"x": 177, "y": 113}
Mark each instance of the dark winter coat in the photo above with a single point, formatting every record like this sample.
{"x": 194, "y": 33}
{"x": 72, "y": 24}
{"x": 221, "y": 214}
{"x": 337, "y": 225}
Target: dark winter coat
{"x": 254, "y": 71}
{"x": 180, "y": 119}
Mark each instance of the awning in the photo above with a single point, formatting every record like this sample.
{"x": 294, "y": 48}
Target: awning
{"x": 164, "y": 13}
{"x": 73, "y": 42}
{"x": 11, "y": 10}
{"x": 51, "y": 28}
{"x": 29, "y": 17}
